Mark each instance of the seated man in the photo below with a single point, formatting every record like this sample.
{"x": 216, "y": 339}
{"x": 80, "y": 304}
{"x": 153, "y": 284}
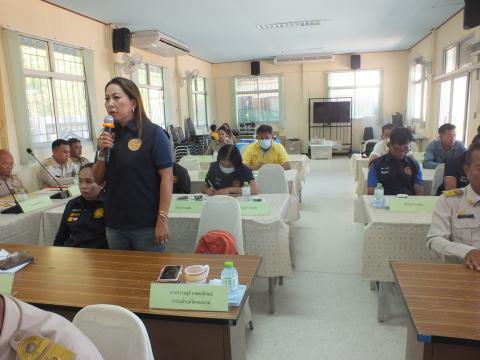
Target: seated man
{"x": 381, "y": 147}
{"x": 443, "y": 148}
{"x": 7, "y": 180}
{"x": 265, "y": 151}
{"x": 181, "y": 180}
{"x": 455, "y": 230}
{"x": 76, "y": 152}
{"x": 397, "y": 172}
{"x": 83, "y": 220}
{"x": 59, "y": 166}
{"x": 23, "y": 325}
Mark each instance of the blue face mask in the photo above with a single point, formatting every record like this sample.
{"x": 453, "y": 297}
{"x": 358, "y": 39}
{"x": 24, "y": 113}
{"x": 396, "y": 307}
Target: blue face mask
{"x": 226, "y": 170}
{"x": 265, "y": 144}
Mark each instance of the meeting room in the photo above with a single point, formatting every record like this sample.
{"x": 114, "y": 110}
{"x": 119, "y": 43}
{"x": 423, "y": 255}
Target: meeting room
{"x": 240, "y": 180}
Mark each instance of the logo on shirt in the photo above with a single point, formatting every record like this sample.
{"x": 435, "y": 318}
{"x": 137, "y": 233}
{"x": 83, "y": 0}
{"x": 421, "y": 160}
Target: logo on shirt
{"x": 99, "y": 213}
{"x": 175, "y": 179}
{"x": 134, "y": 144}
{"x": 74, "y": 215}
{"x": 408, "y": 170}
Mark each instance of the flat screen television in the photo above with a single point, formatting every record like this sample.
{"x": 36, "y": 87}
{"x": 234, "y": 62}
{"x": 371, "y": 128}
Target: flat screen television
{"x": 331, "y": 112}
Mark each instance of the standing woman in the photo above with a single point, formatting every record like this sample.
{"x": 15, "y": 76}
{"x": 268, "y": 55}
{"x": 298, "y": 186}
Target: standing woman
{"x": 139, "y": 174}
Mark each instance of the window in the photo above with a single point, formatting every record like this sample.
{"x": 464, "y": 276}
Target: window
{"x": 257, "y": 99}
{"x": 458, "y": 55}
{"x": 453, "y": 104}
{"x": 199, "y": 102}
{"x": 362, "y": 86}
{"x": 55, "y": 90}
{"x": 419, "y": 87}
{"x": 150, "y": 83}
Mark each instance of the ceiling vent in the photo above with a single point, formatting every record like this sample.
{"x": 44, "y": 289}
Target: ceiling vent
{"x": 303, "y": 59}
{"x": 159, "y": 43}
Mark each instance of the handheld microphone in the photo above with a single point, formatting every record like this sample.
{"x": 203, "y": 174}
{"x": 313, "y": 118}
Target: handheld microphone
{"x": 12, "y": 209}
{"x": 108, "y": 125}
{"x": 63, "y": 194}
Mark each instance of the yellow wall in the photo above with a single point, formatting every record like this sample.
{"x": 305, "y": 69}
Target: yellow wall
{"x": 40, "y": 19}
{"x": 302, "y": 82}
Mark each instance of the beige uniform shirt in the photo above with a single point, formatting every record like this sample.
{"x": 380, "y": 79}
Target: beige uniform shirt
{"x": 455, "y": 228}
{"x": 80, "y": 162}
{"x": 22, "y": 321}
{"x": 65, "y": 174}
{"x": 13, "y": 182}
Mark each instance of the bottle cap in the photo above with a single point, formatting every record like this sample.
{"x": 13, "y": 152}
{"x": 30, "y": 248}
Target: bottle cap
{"x": 228, "y": 264}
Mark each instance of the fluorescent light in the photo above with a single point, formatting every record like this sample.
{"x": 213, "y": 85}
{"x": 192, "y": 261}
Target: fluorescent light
{"x": 289, "y": 24}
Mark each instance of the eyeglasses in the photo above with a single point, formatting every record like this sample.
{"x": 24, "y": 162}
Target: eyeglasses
{"x": 401, "y": 148}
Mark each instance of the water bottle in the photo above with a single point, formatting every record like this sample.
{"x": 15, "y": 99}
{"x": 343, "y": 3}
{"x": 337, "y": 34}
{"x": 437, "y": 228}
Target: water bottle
{"x": 229, "y": 278}
{"x": 246, "y": 192}
{"x": 214, "y": 157}
{"x": 22, "y": 195}
{"x": 378, "y": 196}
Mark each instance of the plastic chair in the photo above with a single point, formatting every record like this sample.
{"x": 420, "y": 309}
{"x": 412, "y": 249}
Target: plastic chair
{"x": 271, "y": 179}
{"x": 174, "y": 134}
{"x": 190, "y": 162}
{"x": 368, "y": 147}
{"x": 437, "y": 179}
{"x": 116, "y": 332}
{"x": 180, "y": 151}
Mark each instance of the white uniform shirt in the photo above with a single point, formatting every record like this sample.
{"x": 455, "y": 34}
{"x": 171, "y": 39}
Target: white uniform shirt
{"x": 64, "y": 173}
{"x": 13, "y": 182}
{"x": 455, "y": 228}
{"x": 22, "y": 320}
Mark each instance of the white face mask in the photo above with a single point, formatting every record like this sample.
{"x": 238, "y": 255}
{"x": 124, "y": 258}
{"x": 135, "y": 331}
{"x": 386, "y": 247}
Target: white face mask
{"x": 226, "y": 170}
{"x": 265, "y": 144}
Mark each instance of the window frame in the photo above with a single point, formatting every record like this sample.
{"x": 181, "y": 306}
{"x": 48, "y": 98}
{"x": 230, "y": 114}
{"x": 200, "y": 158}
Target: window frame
{"x": 148, "y": 87}
{"x": 193, "y": 97}
{"x": 458, "y": 47}
{"x": 423, "y": 81}
{"x": 52, "y": 76}
{"x": 258, "y": 92}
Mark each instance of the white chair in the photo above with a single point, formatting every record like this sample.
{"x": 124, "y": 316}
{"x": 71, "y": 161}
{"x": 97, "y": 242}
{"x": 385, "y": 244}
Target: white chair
{"x": 437, "y": 179}
{"x": 180, "y": 151}
{"x": 271, "y": 179}
{"x": 190, "y": 162}
{"x": 116, "y": 332}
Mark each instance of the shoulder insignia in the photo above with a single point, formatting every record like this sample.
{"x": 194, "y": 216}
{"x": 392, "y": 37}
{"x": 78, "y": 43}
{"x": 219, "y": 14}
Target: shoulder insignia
{"x": 37, "y": 347}
{"x": 99, "y": 213}
{"x": 453, "y": 193}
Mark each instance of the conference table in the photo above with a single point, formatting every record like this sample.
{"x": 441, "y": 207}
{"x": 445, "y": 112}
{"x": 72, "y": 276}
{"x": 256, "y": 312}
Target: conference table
{"x": 443, "y": 301}
{"x": 64, "y": 280}
{"x": 392, "y": 236}
{"x": 357, "y": 163}
{"x": 266, "y": 235}
{"x": 299, "y": 162}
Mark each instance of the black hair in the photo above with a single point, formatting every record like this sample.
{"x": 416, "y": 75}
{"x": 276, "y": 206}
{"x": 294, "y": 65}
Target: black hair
{"x": 231, "y": 153}
{"x": 475, "y": 146}
{"x": 213, "y": 127}
{"x": 387, "y": 127}
{"x": 86, "y": 166}
{"x": 225, "y": 130}
{"x": 478, "y": 130}
{"x": 400, "y": 136}
{"x": 57, "y": 143}
{"x": 265, "y": 128}
{"x": 72, "y": 141}
{"x": 446, "y": 127}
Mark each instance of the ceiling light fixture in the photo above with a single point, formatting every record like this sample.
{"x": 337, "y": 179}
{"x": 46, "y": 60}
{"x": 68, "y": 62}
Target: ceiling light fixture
{"x": 289, "y": 24}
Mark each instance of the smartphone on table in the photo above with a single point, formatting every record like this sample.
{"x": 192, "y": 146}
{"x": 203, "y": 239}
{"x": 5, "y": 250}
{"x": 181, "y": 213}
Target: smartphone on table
{"x": 170, "y": 273}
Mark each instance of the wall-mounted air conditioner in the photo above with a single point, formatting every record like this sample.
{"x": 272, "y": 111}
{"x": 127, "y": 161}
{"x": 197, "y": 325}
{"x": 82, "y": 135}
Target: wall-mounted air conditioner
{"x": 159, "y": 43}
{"x": 303, "y": 59}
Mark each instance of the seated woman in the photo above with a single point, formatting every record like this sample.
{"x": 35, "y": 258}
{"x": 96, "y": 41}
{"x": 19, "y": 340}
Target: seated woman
{"x": 181, "y": 180}
{"x": 228, "y": 174}
{"x": 83, "y": 221}
{"x": 223, "y": 138}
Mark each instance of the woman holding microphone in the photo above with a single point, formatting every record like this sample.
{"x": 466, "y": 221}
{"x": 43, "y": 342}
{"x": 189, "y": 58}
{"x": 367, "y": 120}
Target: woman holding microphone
{"x": 138, "y": 174}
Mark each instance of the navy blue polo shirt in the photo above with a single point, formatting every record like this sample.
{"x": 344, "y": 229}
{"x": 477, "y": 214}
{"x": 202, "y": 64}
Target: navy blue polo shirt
{"x": 220, "y": 180}
{"x": 454, "y": 168}
{"x": 132, "y": 178}
{"x": 396, "y": 176}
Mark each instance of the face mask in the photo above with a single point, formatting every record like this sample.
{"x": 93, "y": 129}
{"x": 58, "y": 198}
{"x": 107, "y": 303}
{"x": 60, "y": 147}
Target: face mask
{"x": 265, "y": 144}
{"x": 227, "y": 170}
{"x": 387, "y": 141}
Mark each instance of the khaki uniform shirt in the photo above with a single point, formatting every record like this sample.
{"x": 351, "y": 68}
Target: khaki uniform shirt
{"x": 13, "y": 182}
{"x": 25, "y": 325}
{"x": 80, "y": 162}
{"x": 64, "y": 174}
{"x": 455, "y": 228}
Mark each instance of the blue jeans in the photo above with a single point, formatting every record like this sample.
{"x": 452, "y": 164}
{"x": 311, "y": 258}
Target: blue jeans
{"x": 140, "y": 239}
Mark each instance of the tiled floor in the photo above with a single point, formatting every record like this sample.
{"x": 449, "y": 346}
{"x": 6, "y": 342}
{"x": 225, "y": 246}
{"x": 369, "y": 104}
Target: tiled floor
{"x": 326, "y": 311}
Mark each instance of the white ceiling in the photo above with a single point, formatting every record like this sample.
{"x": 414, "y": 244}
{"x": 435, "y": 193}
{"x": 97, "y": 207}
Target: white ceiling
{"x": 226, "y": 30}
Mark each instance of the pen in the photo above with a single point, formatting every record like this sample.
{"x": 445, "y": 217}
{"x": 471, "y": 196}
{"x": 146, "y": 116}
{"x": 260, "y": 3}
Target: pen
{"x": 209, "y": 183}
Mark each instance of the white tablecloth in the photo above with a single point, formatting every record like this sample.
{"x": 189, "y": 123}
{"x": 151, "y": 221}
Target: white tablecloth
{"x": 357, "y": 163}
{"x": 266, "y": 236}
{"x": 392, "y": 236}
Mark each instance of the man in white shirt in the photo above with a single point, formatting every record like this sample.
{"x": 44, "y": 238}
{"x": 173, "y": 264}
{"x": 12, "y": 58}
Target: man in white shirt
{"x": 381, "y": 147}
{"x": 455, "y": 230}
{"x": 60, "y": 166}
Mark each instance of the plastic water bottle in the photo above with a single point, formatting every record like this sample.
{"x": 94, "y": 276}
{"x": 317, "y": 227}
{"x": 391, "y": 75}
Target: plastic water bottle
{"x": 229, "y": 278}
{"x": 22, "y": 195}
{"x": 214, "y": 156}
{"x": 246, "y": 192}
{"x": 378, "y": 196}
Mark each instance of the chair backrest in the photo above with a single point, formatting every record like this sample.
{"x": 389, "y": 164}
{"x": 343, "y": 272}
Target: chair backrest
{"x": 190, "y": 162}
{"x": 413, "y": 147}
{"x": 369, "y": 145}
{"x": 217, "y": 242}
{"x": 116, "y": 332}
{"x": 221, "y": 212}
{"x": 437, "y": 179}
{"x": 181, "y": 135}
{"x": 190, "y": 128}
{"x": 271, "y": 179}
{"x": 173, "y": 133}
{"x": 367, "y": 133}
{"x": 181, "y": 151}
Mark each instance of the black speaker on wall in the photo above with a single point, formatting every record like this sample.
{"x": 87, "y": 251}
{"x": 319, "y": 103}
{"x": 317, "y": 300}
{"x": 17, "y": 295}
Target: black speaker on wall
{"x": 255, "y": 68}
{"x": 355, "y": 62}
{"x": 121, "y": 40}
{"x": 471, "y": 14}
